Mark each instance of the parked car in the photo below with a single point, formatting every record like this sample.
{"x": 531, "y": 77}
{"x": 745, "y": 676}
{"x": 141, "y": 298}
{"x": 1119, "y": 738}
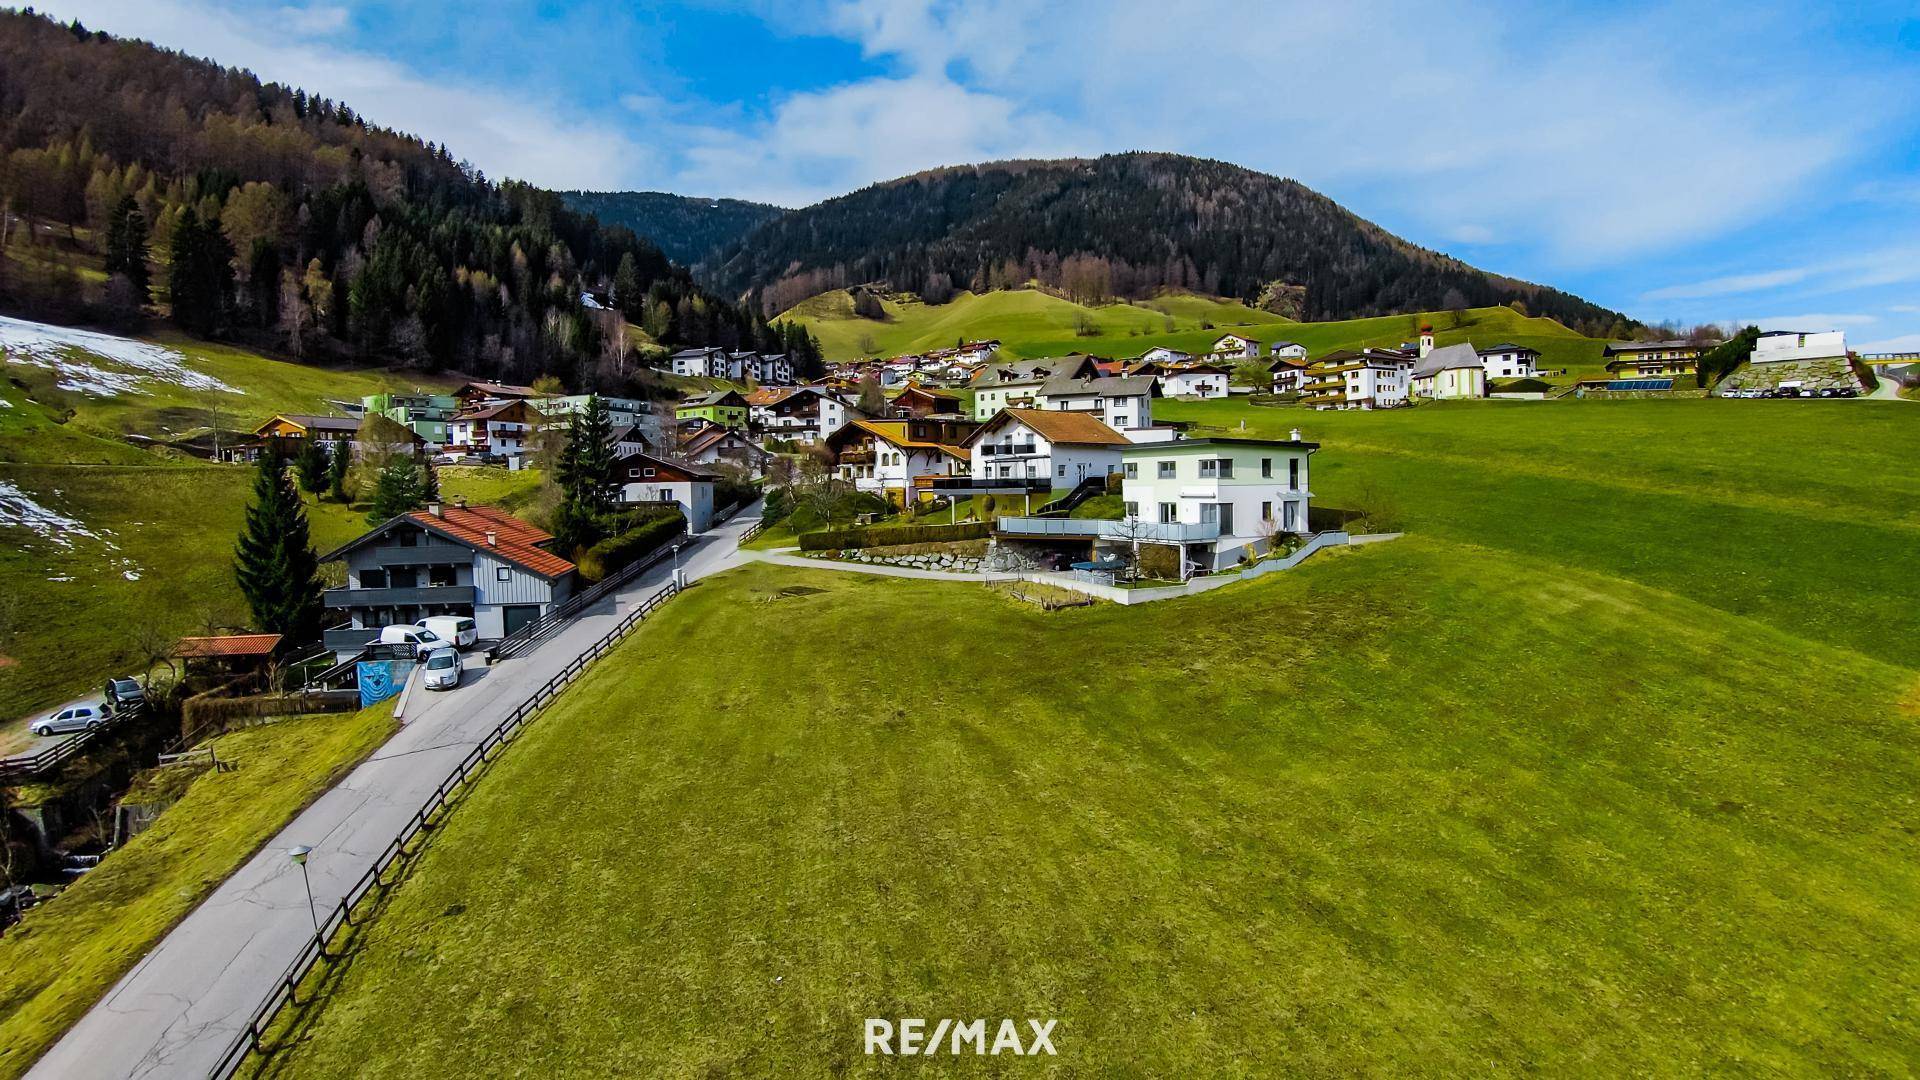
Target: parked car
{"x": 120, "y": 695}
{"x": 1846, "y": 391}
{"x": 423, "y": 641}
{"x": 442, "y": 669}
{"x": 76, "y": 718}
{"x": 459, "y": 630}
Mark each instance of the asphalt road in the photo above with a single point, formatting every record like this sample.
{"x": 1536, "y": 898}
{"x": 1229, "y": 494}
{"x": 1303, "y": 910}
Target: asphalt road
{"x": 176, "y": 1011}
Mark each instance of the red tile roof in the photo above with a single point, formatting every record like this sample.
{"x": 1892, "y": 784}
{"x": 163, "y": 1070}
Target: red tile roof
{"x": 514, "y": 540}
{"x": 228, "y": 645}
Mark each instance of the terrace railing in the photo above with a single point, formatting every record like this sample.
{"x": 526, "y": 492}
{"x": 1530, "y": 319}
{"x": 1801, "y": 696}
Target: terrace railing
{"x": 399, "y": 852}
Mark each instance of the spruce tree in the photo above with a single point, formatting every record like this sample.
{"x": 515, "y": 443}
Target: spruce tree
{"x": 429, "y": 483}
{"x": 312, "y": 466}
{"x": 337, "y": 472}
{"x": 127, "y": 245}
{"x": 274, "y": 561}
{"x": 201, "y": 279}
{"x": 396, "y": 491}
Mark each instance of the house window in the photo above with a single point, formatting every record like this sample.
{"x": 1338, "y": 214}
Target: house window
{"x": 501, "y": 573}
{"x": 1293, "y": 474}
{"x": 1266, "y": 511}
{"x": 1132, "y": 470}
{"x": 648, "y": 471}
{"x": 1266, "y": 468}
{"x": 442, "y": 574}
{"x": 1169, "y": 513}
{"x": 1062, "y": 470}
{"x": 1166, "y": 470}
{"x": 632, "y": 473}
{"x": 408, "y": 537}
{"x": 1133, "y": 510}
{"x": 373, "y": 579}
{"x": 1221, "y": 468}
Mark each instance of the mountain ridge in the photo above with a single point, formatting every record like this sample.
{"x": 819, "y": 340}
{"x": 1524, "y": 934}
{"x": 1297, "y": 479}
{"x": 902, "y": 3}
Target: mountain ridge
{"x": 686, "y": 227}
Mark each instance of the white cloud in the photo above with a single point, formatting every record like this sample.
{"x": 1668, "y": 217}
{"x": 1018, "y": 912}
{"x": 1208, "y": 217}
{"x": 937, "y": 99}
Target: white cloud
{"x": 507, "y": 132}
{"x": 1814, "y": 322}
{"x": 1905, "y": 309}
{"x": 1903, "y": 343}
{"x": 1732, "y": 285}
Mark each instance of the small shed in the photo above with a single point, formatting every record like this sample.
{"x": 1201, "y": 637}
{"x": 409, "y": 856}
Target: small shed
{"x": 230, "y": 654}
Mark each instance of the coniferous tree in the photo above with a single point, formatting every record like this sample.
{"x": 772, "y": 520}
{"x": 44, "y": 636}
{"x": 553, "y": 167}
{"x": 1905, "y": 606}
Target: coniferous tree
{"x": 396, "y": 491}
{"x": 127, "y": 245}
{"x": 312, "y": 467}
{"x": 429, "y": 483}
{"x": 201, "y": 279}
{"x": 337, "y": 472}
{"x": 584, "y": 471}
{"x": 274, "y": 561}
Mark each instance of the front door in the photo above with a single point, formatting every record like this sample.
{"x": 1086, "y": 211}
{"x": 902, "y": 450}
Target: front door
{"x": 515, "y": 616}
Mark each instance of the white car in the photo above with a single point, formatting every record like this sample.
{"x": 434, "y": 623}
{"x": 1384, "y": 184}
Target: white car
{"x": 423, "y": 641}
{"x": 77, "y": 718}
{"x": 442, "y": 670}
{"x": 458, "y": 630}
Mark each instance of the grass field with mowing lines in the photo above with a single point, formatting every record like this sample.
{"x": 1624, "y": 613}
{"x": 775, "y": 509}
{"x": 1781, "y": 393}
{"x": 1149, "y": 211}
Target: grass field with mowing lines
{"x": 1422, "y": 807}
{"x": 68, "y": 952}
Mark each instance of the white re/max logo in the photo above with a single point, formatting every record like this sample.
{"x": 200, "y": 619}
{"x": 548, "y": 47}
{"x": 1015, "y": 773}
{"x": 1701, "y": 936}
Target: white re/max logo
{"x": 950, "y": 1036}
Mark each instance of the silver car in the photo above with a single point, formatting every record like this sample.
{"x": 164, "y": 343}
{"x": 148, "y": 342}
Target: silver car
{"x": 76, "y": 718}
{"x": 442, "y": 670}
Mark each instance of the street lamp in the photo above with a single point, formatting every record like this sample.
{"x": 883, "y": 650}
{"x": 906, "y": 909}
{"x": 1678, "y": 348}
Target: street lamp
{"x": 299, "y": 855}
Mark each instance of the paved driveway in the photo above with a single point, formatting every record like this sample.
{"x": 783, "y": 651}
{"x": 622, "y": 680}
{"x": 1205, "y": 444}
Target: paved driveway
{"x": 175, "y": 1012}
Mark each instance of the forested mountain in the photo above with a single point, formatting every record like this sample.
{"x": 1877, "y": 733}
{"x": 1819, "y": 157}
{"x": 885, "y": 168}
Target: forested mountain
{"x": 1118, "y": 226}
{"x": 687, "y": 228}
{"x": 262, "y": 213}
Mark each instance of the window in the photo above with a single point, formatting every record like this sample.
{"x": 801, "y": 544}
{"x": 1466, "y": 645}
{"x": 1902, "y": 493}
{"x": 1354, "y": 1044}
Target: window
{"x": 1266, "y": 468}
{"x": 648, "y": 471}
{"x": 402, "y": 577}
{"x": 373, "y": 579}
{"x": 1266, "y": 511}
{"x": 1166, "y": 470}
{"x": 1169, "y": 513}
{"x": 632, "y": 473}
{"x": 1293, "y": 474}
{"x": 1133, "y": 510}
{"x": 1132, "y": 470}
{"x": 442, "y": 574}
{"x": 1061, "y": 470}
{"x": 502, "y": 573}
{"x": 1221, "y": 468}
{"x": 408, "y": 537}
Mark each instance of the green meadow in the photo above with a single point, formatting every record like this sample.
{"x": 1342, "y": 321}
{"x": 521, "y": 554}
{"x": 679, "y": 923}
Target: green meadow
{"x": 1029, "y": 323}
{"x": 1606, "y": 766}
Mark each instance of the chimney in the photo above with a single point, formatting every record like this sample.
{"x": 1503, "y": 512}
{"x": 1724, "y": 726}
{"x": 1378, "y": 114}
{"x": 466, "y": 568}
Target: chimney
{"x": 459, "y": 502}
{"x": 434, "y": 508}
{"x": 493, "y": 538}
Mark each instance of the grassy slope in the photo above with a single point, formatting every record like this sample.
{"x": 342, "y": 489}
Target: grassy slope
{"x": 1798, "y": 514}
{"x": 1035, "y": 324}
{"x": 1418, "y": 808}
{"x": 67, "y": 953}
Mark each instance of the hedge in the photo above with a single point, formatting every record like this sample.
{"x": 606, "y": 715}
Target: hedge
{"x": 615, "y": 552}
{"x": 890, "y": 535}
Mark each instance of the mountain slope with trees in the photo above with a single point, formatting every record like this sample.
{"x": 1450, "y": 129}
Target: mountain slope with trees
{"x": 285, "y": 220}
{"x": 686, "y": 228}
{"x": 1120, "y": 226}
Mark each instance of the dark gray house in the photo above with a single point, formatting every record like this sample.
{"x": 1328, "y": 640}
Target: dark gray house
{"x": 446, "y": 560}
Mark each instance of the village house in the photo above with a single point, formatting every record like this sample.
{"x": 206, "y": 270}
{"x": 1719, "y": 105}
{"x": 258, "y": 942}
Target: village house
{"x": 426, "y": 415}
{"x": 1451, "y": 371}
{"x": 1160, "y": 354}
{"x": 1123, "y": 404}
{"x": 1061, "y": 448}
{"x": 724, "y": 407}
{"x": 628, "y": 439}
{"x": 288, "y": 432}
{"x": 1216, "y": 500}
{"x": 1231, "y": 348}
{"x": 1509, "y": 361}
{"x": 475, "y": 394}
{"x": 445, "y": 560}
{"x": 1187, "y": 380}
{"x": 503, "y": 429}
{"x": 703, "y": 443}
{"x": 716, "y": 363}
{"x": 1775, "y": 346}
{"x": 805, "y": 415}
{"x": 1288, "y": 350}
{"x": 917, "y": 400}
{"x": 1651, "y": 359}
{"x": 651, "y": 479}
{"x": 884, "y": 457}
{"x": 1289, "y": 374}
{"x": 1017, "y": 383}
{"x": 620, "y": 411}
{"x": 1373, "y": 379}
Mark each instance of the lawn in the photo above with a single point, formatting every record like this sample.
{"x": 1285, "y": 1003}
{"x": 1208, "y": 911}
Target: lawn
{"x": 1423, "y": 807}
{"x": 1029, "y": 323}
{"x": 67, "y": 953}
{"x": 1800, "y": 514}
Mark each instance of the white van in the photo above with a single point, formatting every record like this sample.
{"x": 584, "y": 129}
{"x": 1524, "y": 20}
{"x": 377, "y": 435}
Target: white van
{"x": 458, "y": 630}
{"x": 423, "y": 641}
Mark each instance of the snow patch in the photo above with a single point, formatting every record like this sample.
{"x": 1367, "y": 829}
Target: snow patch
{"x": 18, "y": 508}
{"x": 130, "y": 575}
{"x": 59, "y": 349}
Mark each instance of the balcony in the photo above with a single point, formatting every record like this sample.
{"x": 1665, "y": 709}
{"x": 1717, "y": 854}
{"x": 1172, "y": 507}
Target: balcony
{"x": 347, "y": 596}
{"x": 429, "y": 553}
{"x": 856, "y": 457}
{"x": 1177, "y": 532}
{"x": 348, "y": 638}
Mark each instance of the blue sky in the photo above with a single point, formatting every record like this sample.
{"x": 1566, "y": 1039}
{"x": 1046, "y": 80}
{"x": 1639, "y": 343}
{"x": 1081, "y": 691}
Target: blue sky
{"x": 1689, "y": 161}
